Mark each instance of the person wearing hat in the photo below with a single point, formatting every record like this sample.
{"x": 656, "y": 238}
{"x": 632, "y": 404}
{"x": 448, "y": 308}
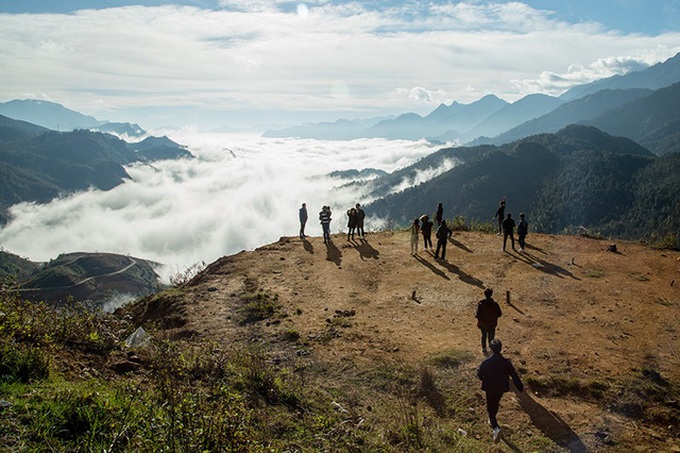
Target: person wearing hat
{"x": 495, "y": 373}
{"x": 488, "y": 312}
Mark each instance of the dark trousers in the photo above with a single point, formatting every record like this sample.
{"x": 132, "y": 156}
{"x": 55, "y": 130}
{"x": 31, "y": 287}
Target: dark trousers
{"x": 302, "y": 227}
{"x": 427, "y": 239}
{"x": 441, "y": 244}
{"x": 520, "y": 239}
{"x": 326, "y": 232}
{"x": 360, "y": 230}
{"x": 493, "y": 401}
{"x": 509, "y": 234}
{"x": 488, "y": 333}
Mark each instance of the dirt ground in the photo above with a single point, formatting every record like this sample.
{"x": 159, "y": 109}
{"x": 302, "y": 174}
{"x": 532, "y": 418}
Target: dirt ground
{"x": 569, "y": 307}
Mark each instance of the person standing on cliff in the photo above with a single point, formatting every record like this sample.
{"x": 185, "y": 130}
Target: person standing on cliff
{"x": 443, "y": 234}
{"x": 500, "y": 213}
{"x": 522, "y": 231}
{"x": 303, "y": 219}
{"x": 426, "y": 230}
{"x": 488, "y": 312}
{"x": 509, "y": 230}
{"x": 495, "y": 373}
{"x": 361, "y": 215}
{"x": 415, "y": 230}
{"x": 325, "y": 220}
{"x": 439, "y": 216}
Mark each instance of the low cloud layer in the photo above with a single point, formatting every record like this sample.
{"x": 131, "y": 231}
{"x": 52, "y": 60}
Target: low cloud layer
{"x": 241, "y": 192}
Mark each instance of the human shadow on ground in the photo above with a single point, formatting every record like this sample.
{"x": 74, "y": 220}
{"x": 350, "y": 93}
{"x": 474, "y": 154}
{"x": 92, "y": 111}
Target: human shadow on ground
{"x": 550, "y": 424}
{"x": 533, "y": 247}
{"x": 433, "y": 268}
{"x": 309, "y": 248}
{"x": 542, "y": 265}
{"x": 366, "y": 251}
{"x": 460, "y": 245}
{"x": 333, "y": 253}
{"x": 464, "y": 277}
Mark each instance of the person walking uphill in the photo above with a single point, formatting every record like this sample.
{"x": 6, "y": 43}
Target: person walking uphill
{"x": 303, "y": 219}
{"x": 508, "y": 231}
{"x": 495, "y": 373}
{"x": 488, "y": 312}
{"x": 325, "y": 220}
{"x": 443, "y": 234}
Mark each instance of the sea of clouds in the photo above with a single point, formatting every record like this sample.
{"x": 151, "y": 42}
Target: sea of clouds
{"x": 240, "y": 192}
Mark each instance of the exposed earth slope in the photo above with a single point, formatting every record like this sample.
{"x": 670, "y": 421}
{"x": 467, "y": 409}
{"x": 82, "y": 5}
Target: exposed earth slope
{"x": 593, "y": 333}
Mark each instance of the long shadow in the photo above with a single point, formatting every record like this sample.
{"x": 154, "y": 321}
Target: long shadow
{"x": 430, "y": 266}
{"x": 538, "y": 249}
{"x": 333, "y": 253}
{"x": 460, "y": 245}
{"x": 365, "y": 250}
{"x": 309, "y": 248}
{"x": 550, "y": 424}
{"x": 464, "y": 277}
{"x": 516, "y": 308}
{"x": 543, "y": 265}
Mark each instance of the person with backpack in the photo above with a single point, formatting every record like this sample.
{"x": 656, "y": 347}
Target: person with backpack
{"x": 488, "y": 312}
{"x": 325, "y": 220}
{"x": 495, "y": 373}
{"x": 443, "y": 233}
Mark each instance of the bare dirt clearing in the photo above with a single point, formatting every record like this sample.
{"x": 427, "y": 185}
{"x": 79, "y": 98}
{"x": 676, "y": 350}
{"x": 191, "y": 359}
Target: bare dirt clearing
{"x": 583, "y": 324}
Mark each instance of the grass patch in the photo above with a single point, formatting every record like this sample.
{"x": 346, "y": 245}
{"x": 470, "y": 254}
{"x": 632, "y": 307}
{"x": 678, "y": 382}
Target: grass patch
{"x": 594, "y": 273}
{"x": 451, "y": 359}
{"x": 557, "y": 386}
{"x": 257, "y": 304}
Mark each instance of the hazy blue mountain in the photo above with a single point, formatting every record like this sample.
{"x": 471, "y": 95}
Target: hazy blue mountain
{"x": 572, "y": 112}
{"x": 47, "y": 114}
{"x": 158, "y": 148}
{"x": 651, "y": 120}
{"x": 11, "y": 129}
{"x": 576, "y": 176}
{"x": 509, "y": 116}
{"x": 337, "y": 130}
{"x": 658, "y": 76}
{"x": 128, "y": 129}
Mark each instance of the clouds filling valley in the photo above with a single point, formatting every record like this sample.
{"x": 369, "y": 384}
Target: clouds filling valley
{"x": 239, "y": 193}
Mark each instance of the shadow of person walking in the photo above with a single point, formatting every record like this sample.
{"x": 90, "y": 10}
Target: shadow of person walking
{"x": 550, "y": 424}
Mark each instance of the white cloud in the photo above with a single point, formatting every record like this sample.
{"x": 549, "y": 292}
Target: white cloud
{"x": 187, "y": 211}
{"x": 267, "y": 56}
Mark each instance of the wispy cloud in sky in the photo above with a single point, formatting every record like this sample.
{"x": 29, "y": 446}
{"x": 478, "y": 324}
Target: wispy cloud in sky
{"x": 248, "y": 62}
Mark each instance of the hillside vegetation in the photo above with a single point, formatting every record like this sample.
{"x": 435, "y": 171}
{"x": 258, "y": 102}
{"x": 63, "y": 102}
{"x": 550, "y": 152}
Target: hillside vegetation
{"x": 358, "y": 346}
{"x": 579, "y": 177}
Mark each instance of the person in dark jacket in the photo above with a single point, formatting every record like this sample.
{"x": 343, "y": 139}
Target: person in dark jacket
{"x": 488, "y": 312}
{"x": 361, "y": 215}
{"x": 439, "y": 216}
{"x": 303, "y": 219}
{"x": 426, "y": 229}
{"x": 443, "y": 234}
{"x": 522, "y": 231}
{"x": 495, "y": 373}
{"x": 509, "y": 230}
{"x": 500, "y": 213}
{"x": 351, "y": 222}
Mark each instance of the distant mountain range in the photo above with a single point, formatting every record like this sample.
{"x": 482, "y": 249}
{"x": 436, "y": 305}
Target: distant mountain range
{"x": 492, "y": 120}
{"x": 56, "y": 117}
{"x": 38, "y": 164}
{"x": 576, "y": 177}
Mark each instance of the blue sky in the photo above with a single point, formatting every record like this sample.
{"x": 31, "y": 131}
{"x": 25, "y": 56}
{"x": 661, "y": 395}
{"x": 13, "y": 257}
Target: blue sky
{"x": 232, "y": 63}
